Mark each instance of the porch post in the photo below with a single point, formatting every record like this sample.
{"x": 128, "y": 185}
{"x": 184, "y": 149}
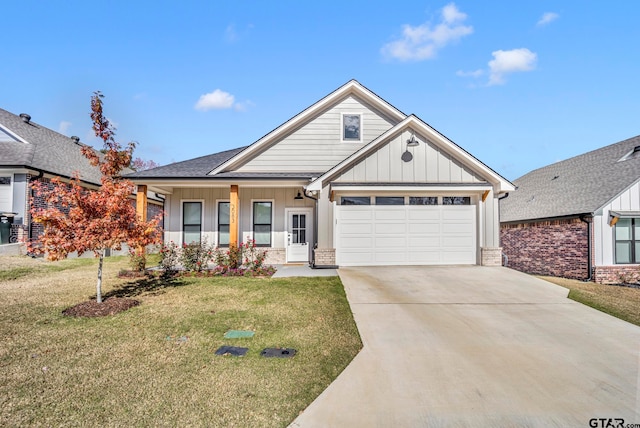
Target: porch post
{"x": 141, "y": 202}
{"x": 234, "y": 209}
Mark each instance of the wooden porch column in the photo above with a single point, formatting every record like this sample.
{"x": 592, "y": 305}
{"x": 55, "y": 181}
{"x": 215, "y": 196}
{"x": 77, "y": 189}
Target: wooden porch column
{"x": 141, "y": 202}
{"x": 234, "y": 209}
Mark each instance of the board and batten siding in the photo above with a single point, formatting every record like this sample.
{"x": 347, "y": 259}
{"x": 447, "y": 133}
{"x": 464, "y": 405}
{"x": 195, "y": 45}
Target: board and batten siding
{"x": 282, "y": 198}
{"x": 629, "y": 200}
{"x": 317, "y": 145}
{"x": 429, "y": 165}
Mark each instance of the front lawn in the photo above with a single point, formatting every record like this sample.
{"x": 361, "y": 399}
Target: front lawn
{"x": 154, "y": 365}
{"x": 621, "y": 302}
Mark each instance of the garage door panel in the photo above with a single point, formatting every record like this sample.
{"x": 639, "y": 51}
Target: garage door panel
{"x": 405, "y": 235}
{"x": 431, "y": 228}
{"x": 390, "y": 241}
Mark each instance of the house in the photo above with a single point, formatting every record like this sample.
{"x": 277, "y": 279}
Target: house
{"x": 31, "y": 152}
{"x": 578, "y": 218}
{"x": 351, "y": 180}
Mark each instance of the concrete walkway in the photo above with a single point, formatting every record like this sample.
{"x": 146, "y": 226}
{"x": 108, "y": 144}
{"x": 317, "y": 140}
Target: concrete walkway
{"x": 471, "y": 346}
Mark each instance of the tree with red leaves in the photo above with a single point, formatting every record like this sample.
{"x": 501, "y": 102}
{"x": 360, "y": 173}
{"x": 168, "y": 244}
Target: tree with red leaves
{"x": 81, "y": 220}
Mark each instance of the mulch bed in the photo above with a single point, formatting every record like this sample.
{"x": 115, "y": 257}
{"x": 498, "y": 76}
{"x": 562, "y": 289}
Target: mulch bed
{"x": 93, "y": 309}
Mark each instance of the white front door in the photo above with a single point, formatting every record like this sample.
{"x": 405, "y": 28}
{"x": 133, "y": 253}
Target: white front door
{"x": 299, "y": 235}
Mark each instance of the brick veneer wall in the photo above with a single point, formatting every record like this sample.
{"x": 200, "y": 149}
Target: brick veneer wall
{"x": 325, "y": 256}
{"x": 616, "y": 274}
{"x": 555, "y": 248}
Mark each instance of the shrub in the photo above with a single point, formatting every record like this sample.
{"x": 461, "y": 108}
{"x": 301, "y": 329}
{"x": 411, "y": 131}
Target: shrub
{"x": 196, "y": 256}
{"x": 169, "y": 257}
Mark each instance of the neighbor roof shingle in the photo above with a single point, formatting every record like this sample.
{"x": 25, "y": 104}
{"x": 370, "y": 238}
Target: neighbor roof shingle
{"x": 579, "y": 185}
{"x": 45, "y": 150}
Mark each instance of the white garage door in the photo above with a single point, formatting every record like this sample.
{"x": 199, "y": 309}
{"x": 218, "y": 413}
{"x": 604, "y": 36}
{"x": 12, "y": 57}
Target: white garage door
{"x": 369, "y": 235}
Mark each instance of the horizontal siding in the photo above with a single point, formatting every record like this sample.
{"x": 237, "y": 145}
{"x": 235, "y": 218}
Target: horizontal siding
{"x": 629, "y": 200}
{"x": 317, "y": 146}
{"x": 429, "y": 165}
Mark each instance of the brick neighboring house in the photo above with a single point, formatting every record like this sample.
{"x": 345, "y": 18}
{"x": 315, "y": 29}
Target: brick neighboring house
{"x": 31, "y": 152}
{"x": 578, "y": 218}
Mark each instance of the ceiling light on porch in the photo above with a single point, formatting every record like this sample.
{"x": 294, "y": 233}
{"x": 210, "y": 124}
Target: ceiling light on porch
{"x": 412, "y": 142}
{"x": 298, "y": 197}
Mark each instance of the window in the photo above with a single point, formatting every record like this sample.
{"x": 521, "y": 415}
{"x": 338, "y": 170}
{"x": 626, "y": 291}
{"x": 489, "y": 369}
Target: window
{"x": 191, "y": 221}
{"x": 355, "y": 200}
{"x": 627, "y": 236}
{"x": 423, "y": 200}
{"x": 389, "y": 200}
{"x": 456, "y": 200}
{"x": 223, "y": 224}
{"x": 262, "y": 223}
{"x": 5, "y": 180}
{"x": 352, "y": 127}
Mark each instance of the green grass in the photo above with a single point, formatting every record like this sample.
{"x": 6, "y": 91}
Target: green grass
{"x": 133, "y": 369}
{"x": 620, "y": 302}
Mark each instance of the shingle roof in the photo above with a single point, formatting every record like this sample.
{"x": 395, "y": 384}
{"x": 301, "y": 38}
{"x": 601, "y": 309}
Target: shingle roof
{"x": 44, "y": 150}
{"x": 192, "y": 168}
{"x": 579, "y": 185}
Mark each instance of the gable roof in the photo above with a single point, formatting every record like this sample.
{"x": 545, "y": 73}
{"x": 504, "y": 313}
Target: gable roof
{"x": 193, "y": 168}
{"x": 580, "y": 185}
{"x": 33, "y": 146}
{"x": 352, "y": 87}
{"x": 500, "y": 183}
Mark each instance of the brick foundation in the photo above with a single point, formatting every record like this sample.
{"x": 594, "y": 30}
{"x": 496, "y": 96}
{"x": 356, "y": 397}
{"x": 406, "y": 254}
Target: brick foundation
{"x": 616, "y": 274}
{"x": 325, "y": 256}
{"x": 491, "y": 256}
{"x": 555, "y": 248}
{"x": 275, "y": 256}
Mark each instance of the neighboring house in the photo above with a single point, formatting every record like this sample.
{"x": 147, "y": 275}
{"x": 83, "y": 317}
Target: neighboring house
{"x": 31, "y": 152}
{"x": 579, "y": 218}
{"x": 351, "y": 180}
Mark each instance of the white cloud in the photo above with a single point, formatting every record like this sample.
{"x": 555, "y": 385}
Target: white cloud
{"x": 230, "y": 33}
{"x": 475, "y": 73}
{"x": 215, "y": 100}
{"x": 547, "y": 18}
{"x": 506, "y": 62}
{"x": 64, "y": 127}
{"x": 423, "y": 41}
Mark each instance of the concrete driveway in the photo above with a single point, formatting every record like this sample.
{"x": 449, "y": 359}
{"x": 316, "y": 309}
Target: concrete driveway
{"x": 478, "y": 346}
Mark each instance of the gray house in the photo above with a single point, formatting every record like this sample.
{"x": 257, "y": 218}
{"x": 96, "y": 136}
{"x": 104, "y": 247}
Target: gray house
{"x": 351, "y": 180}
{"x": 31, "y": 152}
{"x": 579, "y": 218}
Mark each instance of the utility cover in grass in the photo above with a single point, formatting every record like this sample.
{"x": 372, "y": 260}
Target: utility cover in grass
{"x": 238, "y": 334}
{"x": 235, "y": 351}
{"x": 278, "y": 352}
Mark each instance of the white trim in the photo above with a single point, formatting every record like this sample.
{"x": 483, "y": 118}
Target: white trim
{"x": 351, "y": 87}
{"x": 410, "y": 190}
{"x": 216, "y": 232}
{"x": 309, "y": 227}
{"x": 361, "y": 130}
{"x": 273, "y": 218}
{"x": 13, "y": 134}
{"x": 202, "y": 217}
{"x": 12, "y": 180}
{"x": 500, "y": 184}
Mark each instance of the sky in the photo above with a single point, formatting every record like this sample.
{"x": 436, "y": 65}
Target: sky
{"x": 519, "y": 85}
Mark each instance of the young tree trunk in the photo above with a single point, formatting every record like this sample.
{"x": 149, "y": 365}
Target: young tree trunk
{"x": 99, "y": 285}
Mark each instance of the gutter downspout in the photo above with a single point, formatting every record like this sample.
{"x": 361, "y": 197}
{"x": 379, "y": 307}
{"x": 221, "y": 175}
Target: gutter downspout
{"x": 583, "y": 218}
{"x": 312, "y": 264}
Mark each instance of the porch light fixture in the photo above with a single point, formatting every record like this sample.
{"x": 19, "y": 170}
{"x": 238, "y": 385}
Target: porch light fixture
{"x": 298, "y": 197}
{"x": 412, "y": 142}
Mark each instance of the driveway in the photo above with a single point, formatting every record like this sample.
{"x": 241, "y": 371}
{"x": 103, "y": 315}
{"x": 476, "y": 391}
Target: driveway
{"x": 479, "y": 347}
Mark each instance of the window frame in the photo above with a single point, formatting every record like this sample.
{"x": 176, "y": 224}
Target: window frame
{"x": 633, "y": 242}
{"x": 202, "y": 208}
{"x": 217, "y": 221}
{"x": 271, "y": 226}
{"x": 356, "y": 197}
{"x": 466, "y": 200}
{"x": 413, "y": 200}
{"x": 342, "y": 128}
{"x": 378, "y": 200}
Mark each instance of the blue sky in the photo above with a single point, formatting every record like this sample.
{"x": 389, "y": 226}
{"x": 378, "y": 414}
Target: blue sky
{"x": 517, "y": 84}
